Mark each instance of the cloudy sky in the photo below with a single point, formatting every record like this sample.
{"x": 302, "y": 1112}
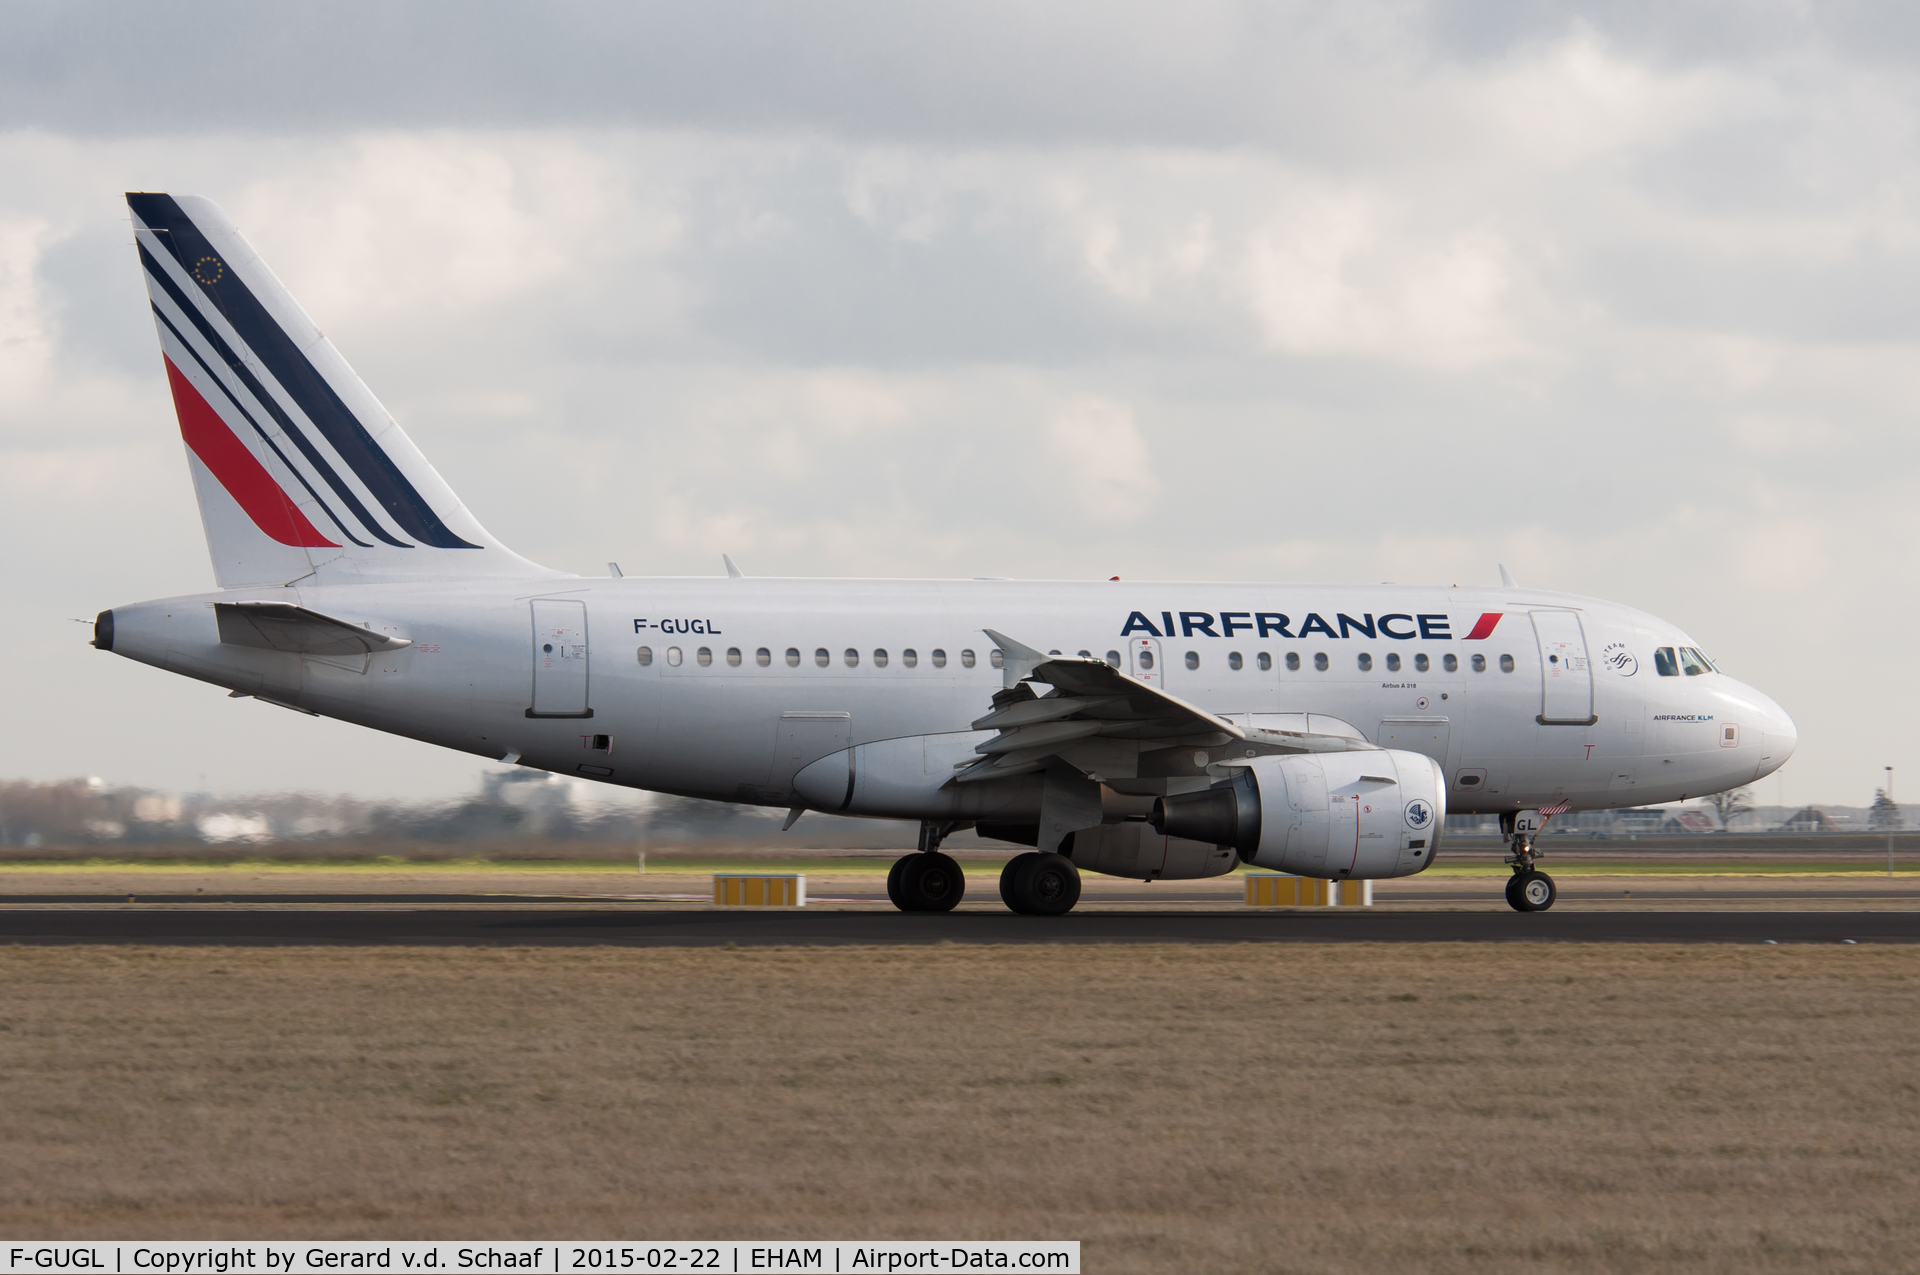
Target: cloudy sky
{"x": 1628, "y": 300}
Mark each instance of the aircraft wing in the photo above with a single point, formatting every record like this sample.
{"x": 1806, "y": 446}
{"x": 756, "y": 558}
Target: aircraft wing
{"x": 282, "y": 626}
{"x": 1096, "y": 718}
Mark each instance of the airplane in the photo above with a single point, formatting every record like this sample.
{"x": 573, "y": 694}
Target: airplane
{"x": 1150, "y": 730}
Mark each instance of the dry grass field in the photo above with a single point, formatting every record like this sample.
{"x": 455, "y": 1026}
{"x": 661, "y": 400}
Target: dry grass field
{"x": 1352, "y": 1108}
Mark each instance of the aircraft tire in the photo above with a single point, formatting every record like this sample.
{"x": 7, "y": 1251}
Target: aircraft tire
{"x": 1535, "y": 891}
{"x": 1046, "y": 885}
{"x": 1513, "y": 893}
{"x": 1009, "y": 879}
{"x": 930, "y": 882}
{"x": 893, "y": 881}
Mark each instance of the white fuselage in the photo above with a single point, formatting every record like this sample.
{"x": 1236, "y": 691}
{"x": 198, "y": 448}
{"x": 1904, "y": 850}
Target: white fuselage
{"x": 1516, "y": 729}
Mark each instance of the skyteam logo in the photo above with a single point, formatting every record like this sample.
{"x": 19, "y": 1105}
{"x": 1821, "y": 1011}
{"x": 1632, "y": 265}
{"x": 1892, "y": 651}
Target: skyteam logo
{"x": 1419, "y": 814}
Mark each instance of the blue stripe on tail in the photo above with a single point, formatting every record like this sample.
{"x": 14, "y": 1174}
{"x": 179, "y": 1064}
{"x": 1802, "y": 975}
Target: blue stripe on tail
{"x": 296, "y": 373}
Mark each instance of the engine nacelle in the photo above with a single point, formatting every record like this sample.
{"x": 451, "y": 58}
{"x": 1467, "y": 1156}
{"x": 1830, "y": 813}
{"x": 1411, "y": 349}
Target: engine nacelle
{"x": 1339, "y": 815}
{"x": 1132, "y": 849}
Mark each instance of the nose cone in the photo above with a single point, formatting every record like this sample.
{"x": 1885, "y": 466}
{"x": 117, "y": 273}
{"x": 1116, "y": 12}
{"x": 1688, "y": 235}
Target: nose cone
{"x": 1777, "y": 737}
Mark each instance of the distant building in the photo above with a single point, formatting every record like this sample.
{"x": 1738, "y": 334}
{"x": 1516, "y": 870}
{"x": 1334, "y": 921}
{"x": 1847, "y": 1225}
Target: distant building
{"x": 1808, "y": 820}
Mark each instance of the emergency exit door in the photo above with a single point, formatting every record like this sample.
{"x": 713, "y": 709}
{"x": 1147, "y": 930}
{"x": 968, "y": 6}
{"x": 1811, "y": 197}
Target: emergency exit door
{"x": 559, "y": 658}
{"x": 1144, "y": 654}
{"x": 1566, "y": 674}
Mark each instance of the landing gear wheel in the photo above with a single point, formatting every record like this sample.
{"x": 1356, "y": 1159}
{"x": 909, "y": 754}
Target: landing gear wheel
{"x": 893, "y": 882}
{"x": 1041, "y": 884}
{"x": 1513, "y": 893}
{"x": 1533, "y": 891}
{"x": 1009, "y": 875}
{"x": 930, "y": 883}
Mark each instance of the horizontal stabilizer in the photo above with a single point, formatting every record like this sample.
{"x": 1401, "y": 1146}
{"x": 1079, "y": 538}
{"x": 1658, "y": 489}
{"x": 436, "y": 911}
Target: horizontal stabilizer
{"x": 282, "y": 626}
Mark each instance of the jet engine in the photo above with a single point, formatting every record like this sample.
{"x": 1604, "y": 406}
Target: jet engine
{"x": 1338, "y": 815}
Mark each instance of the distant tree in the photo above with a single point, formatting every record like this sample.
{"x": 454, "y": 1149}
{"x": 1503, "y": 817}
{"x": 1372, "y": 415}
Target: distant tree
{"x": 1731, "y": 805}
{"x": 1884, "y": 816}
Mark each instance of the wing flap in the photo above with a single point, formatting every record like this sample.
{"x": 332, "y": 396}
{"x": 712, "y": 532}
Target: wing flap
{"x": 1093, "y": 703}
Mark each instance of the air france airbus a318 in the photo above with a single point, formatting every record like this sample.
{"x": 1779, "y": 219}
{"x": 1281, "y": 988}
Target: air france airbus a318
{"x": 1146, "y": 730}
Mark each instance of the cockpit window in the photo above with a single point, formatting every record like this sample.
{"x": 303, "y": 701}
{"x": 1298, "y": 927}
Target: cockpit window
{"x": 1664, "y": 663}
{"x": 1694, "y": 663}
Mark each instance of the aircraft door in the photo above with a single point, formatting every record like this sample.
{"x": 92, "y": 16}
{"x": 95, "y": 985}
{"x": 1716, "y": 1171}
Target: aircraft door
{"x": 559, "y": 658}
{"x": 1343, "y": 833}
{"x": 1144, "y": 655}
{"x": 1566, "y": 674}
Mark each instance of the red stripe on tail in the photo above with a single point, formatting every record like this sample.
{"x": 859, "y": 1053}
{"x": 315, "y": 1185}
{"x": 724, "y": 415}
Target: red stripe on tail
{"x": 1483, "y": 627}
{"x": 245, "y": 479}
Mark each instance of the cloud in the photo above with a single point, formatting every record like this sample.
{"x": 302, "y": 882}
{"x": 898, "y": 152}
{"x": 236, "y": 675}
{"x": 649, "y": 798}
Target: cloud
{"x": 1297, "y": 292}
{"x": 1097, "y": 455}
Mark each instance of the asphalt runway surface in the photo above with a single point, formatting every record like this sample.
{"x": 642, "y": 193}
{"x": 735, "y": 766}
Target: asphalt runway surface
{"x": 685, "y": 927}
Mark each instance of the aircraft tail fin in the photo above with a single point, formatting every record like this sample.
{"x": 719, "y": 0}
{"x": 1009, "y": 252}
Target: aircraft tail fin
{"x": 298, "y": 468}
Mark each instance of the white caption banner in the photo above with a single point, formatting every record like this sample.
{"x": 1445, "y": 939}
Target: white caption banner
{"x": 557, "y": 1257}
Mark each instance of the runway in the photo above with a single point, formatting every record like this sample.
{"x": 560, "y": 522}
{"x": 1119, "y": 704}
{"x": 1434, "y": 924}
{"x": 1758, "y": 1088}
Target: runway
{"x": 685, "y": 927}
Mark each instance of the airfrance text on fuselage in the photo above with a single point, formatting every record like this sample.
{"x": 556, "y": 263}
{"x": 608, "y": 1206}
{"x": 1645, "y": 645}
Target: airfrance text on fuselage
{"x": 1399, "y": 626}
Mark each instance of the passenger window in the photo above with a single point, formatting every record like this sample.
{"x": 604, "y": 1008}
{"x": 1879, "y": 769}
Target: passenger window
{"x": 879, "y": 657}
{"x": 852, "y": 657}
{"x": 673, "y": 656}
{"x": 764, "y": 657}
{"x": 1193, "y": 659}
{"x": 997, "y": 658}
{"x": 1146, "y": 659}
{"x": 1421, "y": 664}
{"x": 1692, "y": 663}
{"x": 1234, "y": 661}
{"x": 704, "y": 655}
{"x": 793, "y": 657}
{"x": 966, "y": 658}
{"x": 1366, "y": 662}
{"x": 910, "y": 657}
{"x": 1393, "y": 662}
{"x": 1266, "y": 662}
{"x": 939, "y": 658}
{"x": 1320, "y": 661}
{"x": 1479, "y": 663}
{"x": 733, "y": 657}
{"x": 1664, "y": 663}
{"x": 822, "y": 657}
{"x": 1451, "y": 663}
{"x": 646, "y": 656}
{"x": 1506, "y": 664}
{"x": 1086, "y": 655}
{"x": 1113, "y": 659}
{"x": 1293, "y": 661}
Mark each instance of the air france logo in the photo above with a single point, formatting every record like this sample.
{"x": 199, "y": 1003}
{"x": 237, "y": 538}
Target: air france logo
{"x": 1419, "y": 815}
{"x": 1400, "y": 626}
{"x": 1618, "y": 658}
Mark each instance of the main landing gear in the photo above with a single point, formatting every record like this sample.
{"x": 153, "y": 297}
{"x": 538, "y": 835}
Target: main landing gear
{"x": 1033, "y": 883}
{"x": 926, "y": 880}
{"x": 1037, "y": 884}
{"x": 1528, "y": 889}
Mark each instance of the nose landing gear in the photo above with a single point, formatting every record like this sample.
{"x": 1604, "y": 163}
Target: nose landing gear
{"x": 1528, "y": 889}
{"x": 1531, "y": 891}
